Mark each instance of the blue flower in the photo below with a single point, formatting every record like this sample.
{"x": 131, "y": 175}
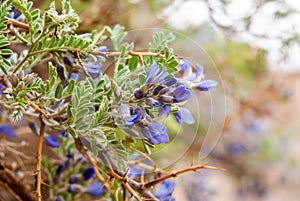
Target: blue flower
{"x": 204, "y": 85}
{"x": 188, "y": 73}
{"x": 89, "y": 173}
{"x": 1, "y": 89}
{"x": 181, "y": 94}
{"x": 64, "y": 134}
{"x": 184, "y": 116}
{"x": 95, "y": 189}
{"x": 155, "y": 75}
{"x": 235, "y": 148}
{"x": 153, "y": 103}
{"x": 74, "y": 188}
{"x": 73, "y": 76}
{"x": 59, "y": 169}
{"x": 165, "y": 191}
{"x": 163, "y": 113}
{"x": 196, "y": 79}
{"x": 135, "y": 170}
{"x": 156, "y": 133}
{"x": 102, "y": 49}
{"x": 52, "y": 141}
{"x": 12, "y": 14}
{"x": 94, "y": 69}
{"x": 75, "y": 178}
{"x": 59, "y": 198}
{"x": 131, "y": 120}
{"x": 69, "y": 155}
{"x": 34, "y": 127}
{"x": 7, "y": 130}
{"x": 187, "y": 69}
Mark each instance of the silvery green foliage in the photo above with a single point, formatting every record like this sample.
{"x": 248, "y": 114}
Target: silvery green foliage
{"x": 106, "y": 113}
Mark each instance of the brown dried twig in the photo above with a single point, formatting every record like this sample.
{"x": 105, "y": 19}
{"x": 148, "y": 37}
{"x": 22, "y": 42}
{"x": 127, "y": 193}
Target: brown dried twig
{"x": 179, "y": 172}
{"x": 39, "y": 160}
{"x": 81, "y": 64}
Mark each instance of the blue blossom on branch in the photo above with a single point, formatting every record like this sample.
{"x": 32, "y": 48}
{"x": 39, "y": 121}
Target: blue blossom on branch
{"x": 89, "y": 173}
{"x": 195, "y": 77}
{"x": 7, "y": 131}
{"x": 95, "y": 189}
{"x": 137, "y": 117}
{"x": 52, "y": 141}
{"x": 184, "y": 116}
{"x": 165, "y": 191}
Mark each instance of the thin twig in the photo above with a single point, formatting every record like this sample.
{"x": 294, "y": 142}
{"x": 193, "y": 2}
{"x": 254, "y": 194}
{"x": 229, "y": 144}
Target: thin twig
{"x": 98, "y": 36}
{"x": 39, "y": 160}
{"x": 124, "y": 182}
{"x": 81, "y": 64}
{"x": 35, "y": 107}
{"x": 17, "y": 24}
{"x": 134, "y": 53}
{"x": 175, "y": 174}
{"x": 80, "y": 147}
{"x": 117, "y": 193}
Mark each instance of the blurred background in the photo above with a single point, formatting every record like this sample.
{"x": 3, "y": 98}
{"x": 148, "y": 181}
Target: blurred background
{"x": 249, "y": 123}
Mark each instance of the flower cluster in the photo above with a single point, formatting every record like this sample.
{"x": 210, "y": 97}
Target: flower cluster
{"x": 162, "y": 93}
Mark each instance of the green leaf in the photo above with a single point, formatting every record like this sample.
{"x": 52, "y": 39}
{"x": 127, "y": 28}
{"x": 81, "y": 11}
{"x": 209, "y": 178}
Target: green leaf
{"x": 29, "y": 5}
{"x": 133, "y": 63}
{"x": 79, "y": 43}
{"x": 6, "y": 62}
{"x": 58, "y": 91}
{"x": 4, "y": 43}
{"x": 142, "y": 79}
{"x": 6, "y": 51}
{"x": 71, "y": 86}
{"x": 52, "y": 42}
{"x": 28, "y": 16}
{"x": 71, "y": 41}
{"x": 73, "y": 132}
{"x": 122, "y": 72}
{"x": 3, "y": 69}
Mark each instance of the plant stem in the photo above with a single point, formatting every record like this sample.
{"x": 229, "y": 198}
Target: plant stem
{"x": 175, "y": 174}
{"x": 39, "y": 160}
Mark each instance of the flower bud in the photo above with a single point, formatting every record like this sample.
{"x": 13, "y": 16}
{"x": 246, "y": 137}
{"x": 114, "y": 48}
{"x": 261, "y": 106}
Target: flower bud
{"x": 75, "y": 178}
{"x": 74, "y": 188}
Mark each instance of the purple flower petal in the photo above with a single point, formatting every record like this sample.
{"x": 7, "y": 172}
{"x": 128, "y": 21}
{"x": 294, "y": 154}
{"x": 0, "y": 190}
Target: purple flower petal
{"x": 7, "y": 130}
{"x": 164, "y": 112}
{"x": 52, "y": 141}
{"x": 165, "y": 190}
{"x": 181, "y": 94}
{"x": 74, "y": 188}
{"x": 187, "y": 69}
{"x": 170, "y": 81}
{"x": 184, "y": 116}
{"x": 89, "y": 173}
{"x": 95, "y": 189}
{"x": 131, "y": 120}
{"x": 74, "y": 76}
{"x": 59, "y": 198}
{"x": 205, "y": 85}
{"x": 155, "y": 75}
{"x": 153, "y": 103}
{"x": 198, "y": 75}
{"x": 75, "y": 178}
{"x": 156, "y": 133}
